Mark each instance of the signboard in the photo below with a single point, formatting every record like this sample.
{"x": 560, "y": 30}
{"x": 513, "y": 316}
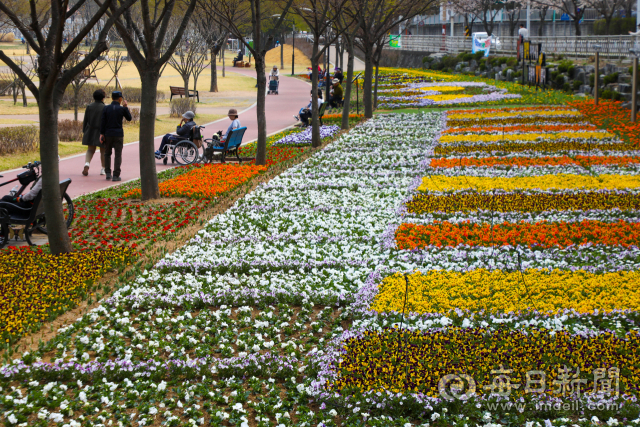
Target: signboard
{"x": 565, "y": 17}
{"x": 527, "y": 48}
{"x": 481, "y": 45}
{"x": 395, "y": 41}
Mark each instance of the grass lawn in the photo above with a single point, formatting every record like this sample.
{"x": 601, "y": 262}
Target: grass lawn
{"x": 164, "y": 125}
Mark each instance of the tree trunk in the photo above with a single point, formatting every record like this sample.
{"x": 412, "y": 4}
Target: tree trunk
{"x": 223, "y": 52}
{"x": 261, "y": 149}
{"x": 315, "y": 122}
{"x": 576, "y": 23}
{"x": 14, "y": 92}
{"x": 76, "y": 100}
{"x": 367, "y": 91}
{"x": 214, "y": 72}
{"x": 346, "y": 106}
{"x": 543, "y": 16}
{"x": 375, "y": 90}
{"x": 148, "y": 175}
{"x": 51, "y": 198}
{"x": 24, "y": 96}
{"x": 282, "y": 55}
{"x": 185, "y": 79}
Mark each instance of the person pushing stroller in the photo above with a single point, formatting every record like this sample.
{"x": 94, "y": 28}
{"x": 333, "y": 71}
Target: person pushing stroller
{"x": 274, "y": 81}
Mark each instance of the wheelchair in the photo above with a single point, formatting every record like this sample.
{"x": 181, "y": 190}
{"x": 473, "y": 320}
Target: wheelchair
{"x": 184, "y": 152}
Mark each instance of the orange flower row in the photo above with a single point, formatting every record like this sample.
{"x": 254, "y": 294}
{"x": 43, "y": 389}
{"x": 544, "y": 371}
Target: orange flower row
{"x": 507, "y": 110}
{"x": 584, "y": 161}
{"x": 205, "y": 181}
{"x": 521, "y": 129}
{"x": 611, "y": 116}
{"x": 541, "y": 234}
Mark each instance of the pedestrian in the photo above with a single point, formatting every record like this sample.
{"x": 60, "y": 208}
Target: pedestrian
{"x": 91, "y": 130}
{"x": 523, "y": 33}
{"x": 112, "y": 134}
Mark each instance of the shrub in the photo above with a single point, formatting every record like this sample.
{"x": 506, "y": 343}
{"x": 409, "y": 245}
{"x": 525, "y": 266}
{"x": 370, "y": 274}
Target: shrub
{"x": 7, "y": 37}
{"x": 564, "y": 66}
{"x": 554, "y": 74}
{"x": 512, "y": 62}
{"x": 619, "y": 26}
{"x": 449, "y": 61}
{"x": 592, "y": 79}
{"x": 468, "y": 57}
{"x": 478, "y": 55}
{"x": 18, "y": 139}
{"x": 69, "y": 130}
{"x": 85, "y": 97}
{"x": 134, "y": 94}
{"x": 577, "y": 84}
{"x": 135, "y": 115}
{"x": 611, "y": 78}
{"x": 559, "y": 80}
{"x": 178, "y": 107}
{"x": 566, "y": 87}
{"x": 571, "y": 71}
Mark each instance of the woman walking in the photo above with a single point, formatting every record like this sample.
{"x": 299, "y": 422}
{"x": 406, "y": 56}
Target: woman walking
{"x": 91, "y": 129}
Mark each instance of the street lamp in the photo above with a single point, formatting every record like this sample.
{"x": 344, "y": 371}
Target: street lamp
{"x": 634, "y": 84}
{"x": 596, "y": 80}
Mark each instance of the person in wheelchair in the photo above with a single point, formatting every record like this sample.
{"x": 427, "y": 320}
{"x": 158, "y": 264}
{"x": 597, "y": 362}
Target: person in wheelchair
{"x": 183, "y": 131}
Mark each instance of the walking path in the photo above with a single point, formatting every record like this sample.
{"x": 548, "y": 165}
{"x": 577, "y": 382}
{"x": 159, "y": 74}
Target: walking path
{"x": 358, "y": 65}
{"x": 293, "y": 93}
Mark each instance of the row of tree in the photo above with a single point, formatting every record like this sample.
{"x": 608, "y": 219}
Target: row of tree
{"x": 486, "y": 11}
{"x": 160, "y": 32}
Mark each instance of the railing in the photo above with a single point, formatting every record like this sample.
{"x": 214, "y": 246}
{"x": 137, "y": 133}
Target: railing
{"x": 578, "y": 46}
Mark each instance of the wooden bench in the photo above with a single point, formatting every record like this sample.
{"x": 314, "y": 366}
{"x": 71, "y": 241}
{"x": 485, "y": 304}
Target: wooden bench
{"x": 177, "y": 90}
{"x": 231, "y": 145}
{"x": 30, "y": 218}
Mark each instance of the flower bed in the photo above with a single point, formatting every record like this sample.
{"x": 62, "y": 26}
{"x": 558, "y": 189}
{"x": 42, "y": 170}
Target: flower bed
{"x": 304, "y": 137}
{"x": 36, "y": 287}
{"x": 206, "y": 181}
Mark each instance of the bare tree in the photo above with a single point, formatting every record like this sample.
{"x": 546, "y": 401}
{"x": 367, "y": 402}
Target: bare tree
{"x": 606, "y": 8}
{"x": 379, "y": 17}
{"x": 574, "y": 8}
{"x": 485, "y": 10}
{"x": 319, "y": 16}
{"x": 215, "y": 36}
{"x": 17, "y": 85}
{"x": 512, "y": 9}
{"x": 348, "y": 23}
{"x": 44, "y": 29}
{"x": 145, "y": 32}
{"x": 115, "y": 61}
{"x": 189, "y": 57}
{"x": 242, "y": 17}
{"x": 543, "y": 17}
{"x": 79, "y": 80}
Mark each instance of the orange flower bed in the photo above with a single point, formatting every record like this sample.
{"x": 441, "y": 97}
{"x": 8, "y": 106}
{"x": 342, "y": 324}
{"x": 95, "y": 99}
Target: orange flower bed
{"x": 542, "y": 234}
{"x": 535, "y": 161}
{"x": 508, "y": 110}
{"x": 205, "y": 181}
{"x": 611, "y": 116}
{"x": 339, "y": 116}
{"x": 520, "y": 129}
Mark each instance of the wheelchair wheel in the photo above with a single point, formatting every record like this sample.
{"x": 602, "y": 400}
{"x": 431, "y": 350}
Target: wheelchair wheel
{"x": 67, "y": 210}
{"x": 185, "y": 152}
{"x": 4, "y": 235}
{"x": 164, "y": 161}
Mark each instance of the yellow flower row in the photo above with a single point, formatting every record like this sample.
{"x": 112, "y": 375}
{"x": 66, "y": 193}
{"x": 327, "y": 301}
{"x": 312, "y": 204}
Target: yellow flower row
{"x": 445, "y": 97}
{"x": 35, "y": 286}
{"x": 549, "y": 113}
{"x": 499, "y": 291}
{"x": 564, "y": 363}
{"x": 442, "y": 88}
{"x": 525, "y": 136}
{"x": 544, "y": 182}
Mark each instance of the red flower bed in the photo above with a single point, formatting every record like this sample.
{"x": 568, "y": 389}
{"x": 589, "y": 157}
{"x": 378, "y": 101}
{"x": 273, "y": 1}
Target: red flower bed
{"x": 611, "y": 116}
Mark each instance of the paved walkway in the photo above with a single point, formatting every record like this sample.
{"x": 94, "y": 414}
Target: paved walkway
{"x": 293, "y": 94}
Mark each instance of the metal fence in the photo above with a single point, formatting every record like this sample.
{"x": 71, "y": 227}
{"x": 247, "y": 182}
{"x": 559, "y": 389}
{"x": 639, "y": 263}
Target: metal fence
{"x": 578, "y": 46}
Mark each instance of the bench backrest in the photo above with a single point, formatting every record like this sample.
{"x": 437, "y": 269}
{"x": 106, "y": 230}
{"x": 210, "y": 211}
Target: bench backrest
{"x": 37, "y": 210}
{"x": 177, "y": 90}
{"x": 196, "y": 136}
{"x": 322, "y": 108}
{"x": 235, "y": 138}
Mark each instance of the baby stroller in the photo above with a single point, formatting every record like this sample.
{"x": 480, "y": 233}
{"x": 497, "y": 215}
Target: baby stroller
{"x": 273, "y": 86}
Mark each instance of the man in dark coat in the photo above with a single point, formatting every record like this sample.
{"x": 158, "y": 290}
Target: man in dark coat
{"x": 91, "y": 130}
{"x": 112, "y": 134}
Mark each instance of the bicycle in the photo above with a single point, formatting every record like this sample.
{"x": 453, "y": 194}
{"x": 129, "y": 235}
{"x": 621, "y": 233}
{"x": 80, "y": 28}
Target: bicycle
{"x": 31, "y": 176}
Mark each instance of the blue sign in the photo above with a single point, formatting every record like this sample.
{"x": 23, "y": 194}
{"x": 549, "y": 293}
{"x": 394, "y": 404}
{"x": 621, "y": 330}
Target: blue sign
{"x": 565, "y": 17}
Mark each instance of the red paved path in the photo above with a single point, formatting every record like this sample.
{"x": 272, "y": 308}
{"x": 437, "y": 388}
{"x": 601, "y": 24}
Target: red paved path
{"x": 293, "y": 94}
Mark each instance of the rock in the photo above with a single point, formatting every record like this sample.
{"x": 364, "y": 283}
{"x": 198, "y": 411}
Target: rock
{"x": 581, "y": 94}
{"x": 497, "y": 69}
{"x": 437, "y": 57}
{"x": 510, "y": 75}
{"x": 580, "y": 75}
{"x": 624, "y": 78}
{"x": 585, "y": 89}
{"x": 503, "y": 67}
{"x": 473, "y": 64}
{"x": 589, "y": 69}
{"x": 624, "y": 88}
{"x": 467, "y": 70}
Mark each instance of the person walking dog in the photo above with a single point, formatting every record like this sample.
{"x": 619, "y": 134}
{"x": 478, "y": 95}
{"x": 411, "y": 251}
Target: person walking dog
{"x": 91, "y": 130}
{"x": 112, "y": 134}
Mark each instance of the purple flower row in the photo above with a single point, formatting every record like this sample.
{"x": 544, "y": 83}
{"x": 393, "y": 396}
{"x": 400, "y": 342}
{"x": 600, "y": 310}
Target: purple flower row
{"x": 304, "y": 137}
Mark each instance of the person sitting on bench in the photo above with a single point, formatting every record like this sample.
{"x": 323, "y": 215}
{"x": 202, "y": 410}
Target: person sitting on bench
{"x": 183, "y": 132}
{"x": 239, "y": 57}
{"x": 235, "y": 124}
{"x": 305, "y": 113}
{"x": 336, "y": 94}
